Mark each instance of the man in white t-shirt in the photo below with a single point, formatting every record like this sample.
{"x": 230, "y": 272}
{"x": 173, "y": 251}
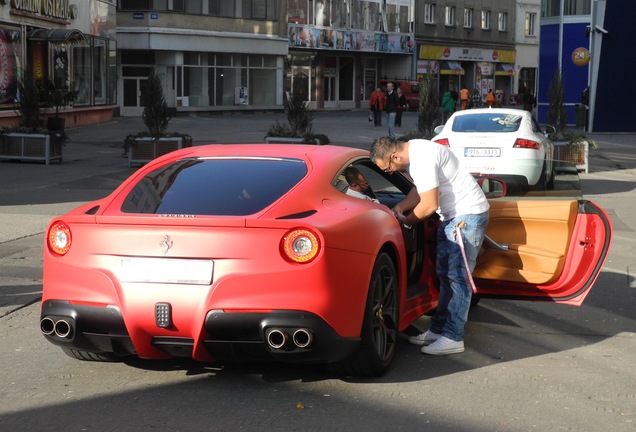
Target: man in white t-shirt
{"x": 443, "y": 187}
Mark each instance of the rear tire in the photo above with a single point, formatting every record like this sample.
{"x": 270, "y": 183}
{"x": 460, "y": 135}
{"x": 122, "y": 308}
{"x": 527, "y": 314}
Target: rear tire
{"x": 90, "y": 356}
{"x": 379, "y": 327}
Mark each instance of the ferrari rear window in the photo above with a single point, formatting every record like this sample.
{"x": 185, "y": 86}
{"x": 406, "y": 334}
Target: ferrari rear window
{"x": 214, "y": 186}
{"x": 490, "y": 122}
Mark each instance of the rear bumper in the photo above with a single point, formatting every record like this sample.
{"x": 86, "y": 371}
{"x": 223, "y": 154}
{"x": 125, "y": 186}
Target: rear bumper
{"x": 287, "y": 336}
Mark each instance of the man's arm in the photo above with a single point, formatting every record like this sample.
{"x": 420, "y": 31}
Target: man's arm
{"x": 428, "y": 203}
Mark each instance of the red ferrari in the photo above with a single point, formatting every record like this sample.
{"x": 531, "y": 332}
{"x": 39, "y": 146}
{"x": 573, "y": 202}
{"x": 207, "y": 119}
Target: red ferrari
{"x": 249, "y": 252}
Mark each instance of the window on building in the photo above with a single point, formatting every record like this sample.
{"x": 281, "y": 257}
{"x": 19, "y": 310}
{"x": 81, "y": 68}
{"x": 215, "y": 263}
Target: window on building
{"x": 260, "y": 9}
{"x": 550, "y": 8}
{"x": 194, "y": 7}
{"x": 429, "y": 13}
{"x": 531, "y": 19}
{"x": 503, "y": 21}
{"x": 221, "y": 8}
{"x": 485, "y": 20}
{"x": 449, "y": 16}
{"x": 468, "y": 18}
{"x": 577, "y": 7}
{"x": 134, "y": 4}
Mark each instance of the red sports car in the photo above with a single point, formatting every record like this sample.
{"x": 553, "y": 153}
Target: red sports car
{"x": 257, "y": 252}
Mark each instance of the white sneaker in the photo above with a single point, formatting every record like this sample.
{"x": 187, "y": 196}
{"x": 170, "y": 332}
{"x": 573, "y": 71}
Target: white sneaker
{"x": 443, "y": 346}
{"x": 424, "y": 338}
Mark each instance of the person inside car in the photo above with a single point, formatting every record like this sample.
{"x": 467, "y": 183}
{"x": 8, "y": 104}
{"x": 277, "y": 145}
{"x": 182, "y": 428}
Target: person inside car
{"x": 358, "y": 185}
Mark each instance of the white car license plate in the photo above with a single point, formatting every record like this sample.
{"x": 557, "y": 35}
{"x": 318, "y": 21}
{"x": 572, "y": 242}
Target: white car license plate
{"x": 482, "y": 152}
{"x": 165, "y": 270}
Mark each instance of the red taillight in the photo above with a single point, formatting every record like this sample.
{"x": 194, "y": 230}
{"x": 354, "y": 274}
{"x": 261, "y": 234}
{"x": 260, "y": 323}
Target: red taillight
{"x": 443, "y": 141}
{"x": 59, "y": 238}
{"x": 300, "y": 245}
{"x": 526, "y": 144}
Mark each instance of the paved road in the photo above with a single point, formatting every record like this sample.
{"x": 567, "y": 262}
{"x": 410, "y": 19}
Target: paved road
{"x": 527, "y": 367}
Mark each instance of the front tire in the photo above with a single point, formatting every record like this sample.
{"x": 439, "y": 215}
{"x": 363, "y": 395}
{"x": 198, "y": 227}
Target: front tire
{"x": 380, "y": 325}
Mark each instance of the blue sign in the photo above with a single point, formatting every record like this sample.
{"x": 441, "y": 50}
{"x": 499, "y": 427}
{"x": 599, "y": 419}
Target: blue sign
{"x": 154, "y": 16}
{"x": 138, "y": 15}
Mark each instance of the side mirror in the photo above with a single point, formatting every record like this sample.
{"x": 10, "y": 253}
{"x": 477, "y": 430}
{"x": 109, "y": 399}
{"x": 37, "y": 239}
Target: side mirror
{"x": 439, "y": 129}
{"x": 492, "y": 187}
{"x": 549, "y": 130}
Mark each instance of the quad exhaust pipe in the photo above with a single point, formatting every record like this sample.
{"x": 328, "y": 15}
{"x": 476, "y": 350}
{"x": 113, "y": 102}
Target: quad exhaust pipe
{"x": 61, "y": 328}
{"x": 278, "y": 338}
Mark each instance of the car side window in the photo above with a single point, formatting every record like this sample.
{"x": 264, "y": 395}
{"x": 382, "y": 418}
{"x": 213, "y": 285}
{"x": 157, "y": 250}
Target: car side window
{"x": 535, "y": 126}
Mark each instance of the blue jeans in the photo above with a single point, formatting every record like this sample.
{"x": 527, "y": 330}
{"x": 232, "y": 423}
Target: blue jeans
{"x": 455, "y": 292}
{"x": 390, "y": 118}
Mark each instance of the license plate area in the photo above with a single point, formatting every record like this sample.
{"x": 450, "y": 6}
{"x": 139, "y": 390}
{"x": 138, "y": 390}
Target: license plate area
{"x": 482, "y": 152}
{"x": 165, "y": 270}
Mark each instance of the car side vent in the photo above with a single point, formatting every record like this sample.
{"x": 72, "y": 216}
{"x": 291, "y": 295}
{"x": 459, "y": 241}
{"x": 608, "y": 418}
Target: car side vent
{"x": 299, "y": 215}
{"x": 92, "y": 210}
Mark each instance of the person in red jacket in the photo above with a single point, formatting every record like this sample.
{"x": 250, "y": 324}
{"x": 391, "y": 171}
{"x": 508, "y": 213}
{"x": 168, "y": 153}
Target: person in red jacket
{"x": 376, "y": 104}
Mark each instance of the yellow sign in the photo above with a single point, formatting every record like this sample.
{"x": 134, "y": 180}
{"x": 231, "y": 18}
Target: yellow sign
{"x": 580, "y": 56}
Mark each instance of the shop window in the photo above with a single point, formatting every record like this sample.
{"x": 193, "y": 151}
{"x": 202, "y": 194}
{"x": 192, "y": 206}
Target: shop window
{"x": 82, "y": 75}
{"x": 100, "y": 72}
{"x": 346, "y": 79}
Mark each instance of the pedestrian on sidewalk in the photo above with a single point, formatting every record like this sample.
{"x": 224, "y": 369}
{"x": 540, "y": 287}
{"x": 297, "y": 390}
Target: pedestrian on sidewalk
{"x": 391, "y": 108}
{"x": 442, "y": 186}
{"x": 376, "y": 104}
{"x": 402, "y": 106}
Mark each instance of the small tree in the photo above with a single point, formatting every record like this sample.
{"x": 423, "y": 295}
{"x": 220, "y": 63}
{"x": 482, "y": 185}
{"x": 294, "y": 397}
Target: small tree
{"x": 28, "y": 98}
{"x": 155, "y": 113}
{"x": 557, "y": 115}
{"x": 429, "y": 112}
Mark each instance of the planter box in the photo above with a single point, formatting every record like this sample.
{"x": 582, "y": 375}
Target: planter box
{"x": 145, "y": 149}
{"x": 31, "y": 147}
{"x": 575, "y": 154}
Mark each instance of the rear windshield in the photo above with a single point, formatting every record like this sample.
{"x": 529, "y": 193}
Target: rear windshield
{"x": 224, "y": 187}
{"x": 487, "y": 122}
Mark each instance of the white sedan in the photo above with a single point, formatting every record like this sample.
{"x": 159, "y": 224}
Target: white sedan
{"x": 508, "y": 143}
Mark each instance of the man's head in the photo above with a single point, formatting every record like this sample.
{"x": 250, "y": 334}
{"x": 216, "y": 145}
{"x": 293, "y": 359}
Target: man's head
{"x": 389, "y": 87}
{"x": 356, "y": 181}
{"x": 389, "y": 155}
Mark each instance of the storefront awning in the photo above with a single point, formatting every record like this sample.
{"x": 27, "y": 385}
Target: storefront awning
{"x": 69, "y": 36}
{"x": 451, "y": 68}
{"x": 504, "y": 69}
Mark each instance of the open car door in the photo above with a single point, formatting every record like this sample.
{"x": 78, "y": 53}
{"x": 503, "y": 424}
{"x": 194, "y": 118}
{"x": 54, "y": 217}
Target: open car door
{"x": 550, "y": 250}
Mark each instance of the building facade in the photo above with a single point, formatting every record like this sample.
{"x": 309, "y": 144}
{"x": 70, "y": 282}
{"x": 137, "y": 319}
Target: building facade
{"x": 210, "y": 54}
{"x": 340, "y": 49}
{"x": 69, "y": 43}
{"x": 588, "y": 41}
{"x": 468, "y": 43}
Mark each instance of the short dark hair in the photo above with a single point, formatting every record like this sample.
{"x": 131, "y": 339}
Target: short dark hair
{"x": 382, "y": 148}
{"x": 351, "y": 174}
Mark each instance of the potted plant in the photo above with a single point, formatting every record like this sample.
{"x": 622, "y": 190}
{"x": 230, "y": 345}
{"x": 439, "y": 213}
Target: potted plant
{"x": 58, "y": 95}
{"x": 28, "y": 140}
{"x": 570, "y": 148}
{"x": 299, "y": 126}
{"x": 155, "y": 141}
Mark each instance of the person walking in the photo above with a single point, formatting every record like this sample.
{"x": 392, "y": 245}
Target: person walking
{"x": 442, "y": 186}
{"x": 376, "y": 104}
{"x": 490, "y": 98}
{"x": 402, "y": 105}
{"x": 391, "y": 108}
{"x": 528, "y": 100}
{"x": 448, "y": 105}
{"x": 464, "y": 95}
